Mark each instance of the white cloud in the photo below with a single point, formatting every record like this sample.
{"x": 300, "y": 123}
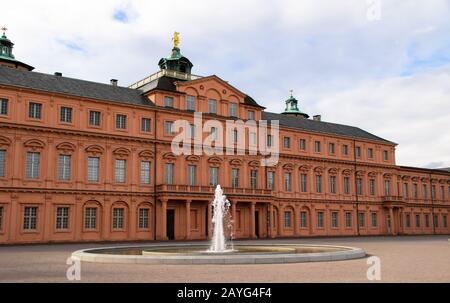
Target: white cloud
{"x": 338, "y": 62}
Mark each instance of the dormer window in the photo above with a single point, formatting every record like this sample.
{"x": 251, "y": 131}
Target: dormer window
{"x": 190, "y": 103}
{"x": 168, "y": 101}
{"x": 233, "y": 110}
{"x": 251, "y": 115}
{"x": 212, "y": 106}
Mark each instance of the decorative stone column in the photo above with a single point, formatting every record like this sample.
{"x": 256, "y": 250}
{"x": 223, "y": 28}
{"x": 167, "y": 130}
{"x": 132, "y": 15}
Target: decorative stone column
{"x": 391, "y": 215}
{"x": 188, "y": 219}
{"x": 252, "y": 220}
{"x": 209, "y": 220}
{"x": 271, "y": 221}
{"x": 280, "y": 220}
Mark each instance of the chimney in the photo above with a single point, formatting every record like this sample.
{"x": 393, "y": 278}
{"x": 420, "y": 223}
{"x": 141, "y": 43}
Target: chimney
{"x": 58, "y": 74}
{"x": 317, "y": 118}
{"x": 114, "y": 82}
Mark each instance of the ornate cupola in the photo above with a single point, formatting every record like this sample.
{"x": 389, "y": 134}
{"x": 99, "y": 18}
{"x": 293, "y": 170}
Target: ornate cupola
{"x": 176, "y": 61}
{"x": 292, "y": 108}
{"x": 6, "y": 55}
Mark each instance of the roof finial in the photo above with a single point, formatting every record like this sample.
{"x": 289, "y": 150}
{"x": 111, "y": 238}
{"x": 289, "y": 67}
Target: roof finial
{"x": 176, "y": 39}
{"x": 291, "y": 91}
{"x": 4, "y": 29}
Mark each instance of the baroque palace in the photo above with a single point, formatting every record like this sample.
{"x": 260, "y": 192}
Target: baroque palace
{"x": 86, "y": 161}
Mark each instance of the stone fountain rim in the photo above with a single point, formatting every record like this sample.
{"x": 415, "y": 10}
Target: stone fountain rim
{"x": 347, "y": 253}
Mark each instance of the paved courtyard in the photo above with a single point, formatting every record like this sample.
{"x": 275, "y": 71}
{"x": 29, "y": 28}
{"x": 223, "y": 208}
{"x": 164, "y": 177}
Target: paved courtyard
{"x": 403, "y": 259}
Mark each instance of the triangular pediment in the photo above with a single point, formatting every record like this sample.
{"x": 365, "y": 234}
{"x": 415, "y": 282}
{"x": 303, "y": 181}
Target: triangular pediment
{"x": 203, "y": 84}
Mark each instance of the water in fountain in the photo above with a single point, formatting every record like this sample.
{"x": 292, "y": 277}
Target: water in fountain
{"x": 221, "y": 206}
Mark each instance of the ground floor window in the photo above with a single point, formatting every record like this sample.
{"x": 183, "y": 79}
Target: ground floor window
{"x": 1, "y": 217}
{"x": 334, "y": 219}
{"x": 348, "y": 219}
{"x": 143, "y": 218}
{"x": 90, "y": 218}
{"x": 118, "y": 218}
{"x": 320, "y": 219}
{"x": 362, "y": 220}
{"x": 62, "y": 218}
{"x": 417, "y": 220}
{"x": 287, "y": 219}
{"x": 30, "y": 218}
{"x": 427, "y": 220}
{"x": 408, "y": 220}
{"x": 374, "y": 220}
{"x": 444, "y": 221}
{"x": 303, "y": 219}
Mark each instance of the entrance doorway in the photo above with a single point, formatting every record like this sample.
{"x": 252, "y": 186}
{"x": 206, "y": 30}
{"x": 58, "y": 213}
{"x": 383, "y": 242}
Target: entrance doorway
{"x": 170, "y": 224}
{"x": 257, "y": 223}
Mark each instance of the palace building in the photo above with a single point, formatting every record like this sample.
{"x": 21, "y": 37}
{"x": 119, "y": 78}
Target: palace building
{"x": 86, "y": 161}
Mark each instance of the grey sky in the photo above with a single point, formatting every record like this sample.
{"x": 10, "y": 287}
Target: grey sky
{"x": 389, "y": 76}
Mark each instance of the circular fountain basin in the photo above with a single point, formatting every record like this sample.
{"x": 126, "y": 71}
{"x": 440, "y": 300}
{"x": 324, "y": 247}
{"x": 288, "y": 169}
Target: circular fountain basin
{"x": 198, "y": 254}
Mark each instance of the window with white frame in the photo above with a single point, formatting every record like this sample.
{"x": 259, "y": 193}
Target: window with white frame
{"x": 94, "y": 118}
{"x": 317, "y": 146}
{"x": 287, "y": 142}
{"x": 374, "y": 219}
{"x": 192, "y": 175}
{"x": 387, "y": 187}
{"x": 168, "y": 101}
{"x": 190, "y": 103}
{"x": 417, "y": 220}
{"x": 303, "y": 183}
{"x": 385, "y": 155}
{"x": 235, "y": 177}
{"x": 65, "y": 114}
{"x": 424, "y": 191}
{"x": 214, "y": 133}
{"x": 168, "y": 128}
{"x": 93, "y": 169}
{"x": 358, "y": 152}
{"x": 253, "y": 178}
{"x": 345, "y": 150}
{"x": 213, "y": 176}
{"x": 64, "y": 162}
{"x": 33, "y": 165}
{"x": 333, "y": 184}
{"x": 62, "y": 218}
{"x": 212, "y": 106}
{"x": 252, "y": 138}
{"x": 251, "y": 115}
{"x": 318, "y": 183}
{"x": 146, "y": 125}
{"x": 121, "y": 121}
{"x": 287, "y": 181}
{"x": 370, "y": 153}
{"x": 303, "y": 219}
{"x": 320, "y": 221}
{"x": 408, "y": 220}
{"x": 2, "y": 163}
{"x": 346, "y": 185}
{"x": 3, "y": 106}
{"x": 144, "y": 218}
{"x": 145, "y": 172}
{"x": 372, "y": 187}
{"x": 30, "y": 218}
{"x": 35, "y": 110}
{"x": 359, "y": 188}
{"x": 169, "y": 173}
{"x": 233, "y": 110}
{"x": 348, "y": 219}
{"x": 415, "y": 191}
{"x": 270, "y": 180}
{"x": 362, "y": 219}
{"x": 269, "y": 140}
{"x": 334, "y": 219}
{"x": 331, "y": 148}
{"x": 118, "y": 218}
{"x": 120, "y": 170}
{"x": 302, "y": 143}
{"x": 405, "y": 190}
{"x": 90, "y": 218}
{"x": 287, "y": 219}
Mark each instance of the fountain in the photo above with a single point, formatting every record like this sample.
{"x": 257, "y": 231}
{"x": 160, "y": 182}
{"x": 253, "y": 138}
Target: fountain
{"x": 218, "y": 252}
{"x": 221, "y": 207}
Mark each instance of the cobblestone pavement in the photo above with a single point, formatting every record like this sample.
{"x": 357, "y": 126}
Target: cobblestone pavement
{"x": 403, "y": 259}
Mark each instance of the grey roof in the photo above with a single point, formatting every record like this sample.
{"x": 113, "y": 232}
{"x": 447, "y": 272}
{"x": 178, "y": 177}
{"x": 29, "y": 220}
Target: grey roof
{"x": 322, "y": 127}
{"x": 71, "y": 86}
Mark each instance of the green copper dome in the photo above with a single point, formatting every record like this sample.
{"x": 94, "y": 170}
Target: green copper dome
{"x": 292, "y": 108}
{"x": 6, "y": 54}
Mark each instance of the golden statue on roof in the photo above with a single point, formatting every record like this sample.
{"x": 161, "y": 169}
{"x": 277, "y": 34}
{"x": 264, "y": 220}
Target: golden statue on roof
{"x": 176, "y": 39}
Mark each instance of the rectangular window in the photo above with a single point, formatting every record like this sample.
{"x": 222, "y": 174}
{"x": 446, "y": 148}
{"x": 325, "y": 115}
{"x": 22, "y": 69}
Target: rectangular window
{"x": 387, "y": 187}
{"x": 2, "y": 163}
{"x": 270, "y": 180}
{"x": 303, "y": 183}
{"x": 415, "y": 191}
{"x": 348, "y": 219}
{"x": 94, "y": 118}
{"x": 331, "y": 148}
{"x": 213, "y": 176}
{"x": 35, "y": 110}
{"x": 62, "y": 218}
{"x": 121, "y": 121}
{"x": 345, "y": 150}
{"x": 146, "y": 125}
{"x": 287, "y": 182}
{"x": 90, "y": 218}
{"x": 253, "y": 178}
{"x": 30, "y": 218}
{"x": 370, "y": 153}
{"x": 145, "y": 172}
{"x": 347, "y": 185}
{"x": 444, "y": 221}
{"x": 169, "y": 173}
{"x": 192, "y": 175}
{"x": 65, "y": 114}
{"x": 405, "y": 190}
{"x": 214, "y": 133}
{"x": 385, "y": 155}
{"x": 362, "y": 219}
{"x": 436, "y": 221}
{"x": 320, "y": 219}
{"x": 417, "y": 220}
{"x": 143, "y": 218}
{"x": 318, "y": 184}
{"x": 93, "y": 169}
{"x": 424, "y": 191}
{"x": 287, "y": 219}
{"x": 120, "y": 170}
{"x": 212, "y": 106}
{"x": 3, "y": 106}
{"x": 190, "y": 103}
{"x": 168, "y": 128}
{"x": 168, "y": 101}
{"x": 372, "y": 187}
{"x": 1, "y": 218}
{"x": 359, "y": 188}
{"x": 252, "y": 138}
{"x": 442, "y": 193}
{"x": 408, "y": 220}
{"x": 334, "y": 219}
{"x": 251, "y": 115}
{"x": 333, "y": 184}
{"x": 287, "y": 142}
{"x": 317, "y": 146}
{"x": 64, "y": 162}
{"x": 269, "y": 140}
{"x": 233, "y": 110}
{"x": 358, "y": 152}
{"x": 234, "y": 136}
{"x": 303, "y": 219}
{"x": 427, "y": 220}
{"x": 235, "y": 177}
{"x": 374, "y": 219}
{"x": 33, "y": 165}
{"x": 117, "y": 218}
{"x": 433, "y": 192}
{"x": 192, "y": 131}
{"x": 302, "y": 144}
